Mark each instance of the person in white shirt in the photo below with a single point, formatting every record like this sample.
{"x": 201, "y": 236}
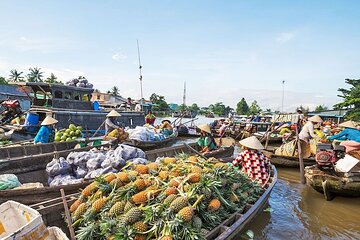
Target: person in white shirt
{"x": 307, "y": 130}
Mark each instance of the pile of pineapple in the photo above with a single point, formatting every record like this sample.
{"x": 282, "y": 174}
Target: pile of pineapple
{"x": 173, "y": 198}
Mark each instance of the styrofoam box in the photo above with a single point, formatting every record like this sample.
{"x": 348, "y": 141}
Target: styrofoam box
{"x": 18, "y": 220}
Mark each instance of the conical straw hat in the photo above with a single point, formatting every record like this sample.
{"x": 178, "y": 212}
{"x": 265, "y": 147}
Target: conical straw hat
{"x": 113, "y": 113}
{"x": 204, "y": 127}
{"x": 348, "y": 124}
{"x": 252, "y": 142}
{"x": 316, "y": 119}
{"x": 49, "y": 121}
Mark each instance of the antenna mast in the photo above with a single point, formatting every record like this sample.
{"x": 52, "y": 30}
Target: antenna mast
{"x": 140, "y": 76}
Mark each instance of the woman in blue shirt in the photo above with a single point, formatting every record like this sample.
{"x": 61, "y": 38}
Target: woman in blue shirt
{"x": 46, "y": 128}
{"x": 206, "y": 141}
{"x": 350, "y": 132}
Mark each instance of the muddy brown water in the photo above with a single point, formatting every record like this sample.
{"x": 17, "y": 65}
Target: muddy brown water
{"x": 296, "y": 211}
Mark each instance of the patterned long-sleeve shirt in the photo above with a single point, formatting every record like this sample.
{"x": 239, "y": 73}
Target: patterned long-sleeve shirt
{"x": 254, "y": 163}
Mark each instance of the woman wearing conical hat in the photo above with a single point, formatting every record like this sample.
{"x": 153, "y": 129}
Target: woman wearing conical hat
{"x": 113, "y": 128}
{"x": 350, "y": 132}
{"x": 307, "y": 130}
{"x": 45, "y": 131}
{"x": 252, "y": 161}
{"x": 206, "y": 141}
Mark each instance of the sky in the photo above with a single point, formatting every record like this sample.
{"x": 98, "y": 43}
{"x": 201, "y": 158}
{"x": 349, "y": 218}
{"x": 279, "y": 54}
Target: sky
{"x": 224, "y": 50}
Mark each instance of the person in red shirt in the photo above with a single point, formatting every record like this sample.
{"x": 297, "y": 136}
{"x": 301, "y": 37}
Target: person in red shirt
{"x": 252, "y": 161}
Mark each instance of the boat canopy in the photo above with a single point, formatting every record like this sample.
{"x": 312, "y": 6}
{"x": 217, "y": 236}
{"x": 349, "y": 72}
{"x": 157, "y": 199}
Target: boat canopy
{"x": 57, "y": 95}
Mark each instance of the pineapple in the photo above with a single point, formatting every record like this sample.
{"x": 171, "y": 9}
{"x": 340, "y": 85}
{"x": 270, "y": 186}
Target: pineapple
{"x": 220, "y": 165}
{"x": 169, "y": 160}
{"x": 175, "y": 172}
{"x": 175, "y": 182}
{"x": 110, "y": 177}
{"x": 141, "y": 197}
{"x": 186, "y": 214}
{"x": 196, "y": 222}
{"x": 153, "y": 166}
{"x": 75, "y": 205}
{"x": 178, "y": 204}
{"x": 133, "y": 215}
{"x": 128, "y": 206}
{"x": 133, "y": 175}
{"x": 80, "y": 211}
{"x": 194, "y": 177}
{"x": 123, "y": 176}
{"x": 214, "y": 205}
{"x": 169, "y": 199}
{"x": 139, "y": 184}
{"x": 140, "y": 237}
{"x": 140, "y": 227}
{"x": 117, "y": 208}
{"x": 192, "y": 159}
{"x": 171, "y": 190}
{"x": 163, "y": 175}
{"x": 116, "y": 183}
{"x": 196, "y": 169}
{"x": 98, "y": 204}
{"x": 89, "y": 189}
{"x": 142, "y": 169}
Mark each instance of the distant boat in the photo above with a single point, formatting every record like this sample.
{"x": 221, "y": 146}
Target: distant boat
{"x": 210, "y": 115}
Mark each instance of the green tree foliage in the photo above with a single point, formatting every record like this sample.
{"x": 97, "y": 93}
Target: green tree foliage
{"x": 3, "y": 80}
{"x": 218, "y": 108}
{"x": 351, "y": 100}
{"x": 242, "y": 107}
{"x": 305, "y": 110}
{"x": 53, "y": 79}
{"x": 182, "y": 108}
{"x": 35, "y": 75}
{"x": 254, "y": 108}
{"x": 321, "y": 108}
{"x": 194, "y": 108}
{"x": 115, "y": 91}
{"x": 15, "y": 76}
{"x": 160, "y": 103}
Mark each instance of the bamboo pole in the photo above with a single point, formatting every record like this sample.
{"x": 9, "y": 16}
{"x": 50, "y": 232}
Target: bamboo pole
{"x": 68, "y": 216}
{"x": 301, "y": 162}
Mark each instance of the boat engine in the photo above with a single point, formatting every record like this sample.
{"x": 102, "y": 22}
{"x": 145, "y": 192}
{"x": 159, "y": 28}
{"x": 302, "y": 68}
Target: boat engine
{"x": 10, "y": 109}
{"x": 325, "y": 155}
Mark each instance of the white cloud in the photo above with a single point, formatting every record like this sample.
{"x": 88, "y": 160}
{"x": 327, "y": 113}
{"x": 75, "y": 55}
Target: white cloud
{"x": 119, "y": 56}
{"x": 285, "y": 37}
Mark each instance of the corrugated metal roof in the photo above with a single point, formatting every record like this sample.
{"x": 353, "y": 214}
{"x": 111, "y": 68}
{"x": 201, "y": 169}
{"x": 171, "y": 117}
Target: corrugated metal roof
{"x": 329, "y": 113}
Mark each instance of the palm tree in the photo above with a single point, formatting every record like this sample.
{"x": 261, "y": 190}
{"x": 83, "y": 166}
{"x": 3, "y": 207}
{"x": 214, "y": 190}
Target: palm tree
{"x": 35, "y": 75}
{"x": 15, "y": 76}
{"x": 115, "y": 91}
{"x": 51, "y": 79}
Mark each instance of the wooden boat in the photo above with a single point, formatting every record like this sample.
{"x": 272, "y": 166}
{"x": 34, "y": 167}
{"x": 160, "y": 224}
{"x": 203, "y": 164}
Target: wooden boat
{"x": 190, "y": 133}
{"x": 31, "y": 168}
{"x": 332, "y": 183}
{"x": 146, "y": 145}
{"x": 272, "y": 138}
{"x": 229, "y": 229}
{"x": 287, "y": 161}
{"x": 172, "y": 151}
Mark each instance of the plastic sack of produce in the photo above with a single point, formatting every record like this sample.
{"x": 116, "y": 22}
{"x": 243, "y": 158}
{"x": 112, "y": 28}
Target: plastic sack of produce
{"x": 58, "y": 167}
{"x": 128, "y": 152}
{"x": 138, "y": 160}
{"x": 99, "y": 172}
{"x": 9, "y": 181}
{"x": 82, "y": 158}
{"x": 80, "y": 172}
{"x": 112, "y": 161}
{"x": 95, "y": 161}
{"x": 64, "y": 180}
{"x": 141, "y": 134}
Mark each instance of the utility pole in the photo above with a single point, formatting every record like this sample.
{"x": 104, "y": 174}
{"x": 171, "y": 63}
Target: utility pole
{"x": 140, "y": 78}
{"x": 282, "y": 101}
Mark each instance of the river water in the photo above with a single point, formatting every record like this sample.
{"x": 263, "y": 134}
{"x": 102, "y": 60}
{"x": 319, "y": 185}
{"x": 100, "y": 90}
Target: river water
{"x": 296, "y": 211}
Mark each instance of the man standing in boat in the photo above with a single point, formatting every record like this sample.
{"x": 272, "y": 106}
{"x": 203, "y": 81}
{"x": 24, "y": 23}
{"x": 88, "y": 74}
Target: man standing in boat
{"x": 45, "y": 131}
